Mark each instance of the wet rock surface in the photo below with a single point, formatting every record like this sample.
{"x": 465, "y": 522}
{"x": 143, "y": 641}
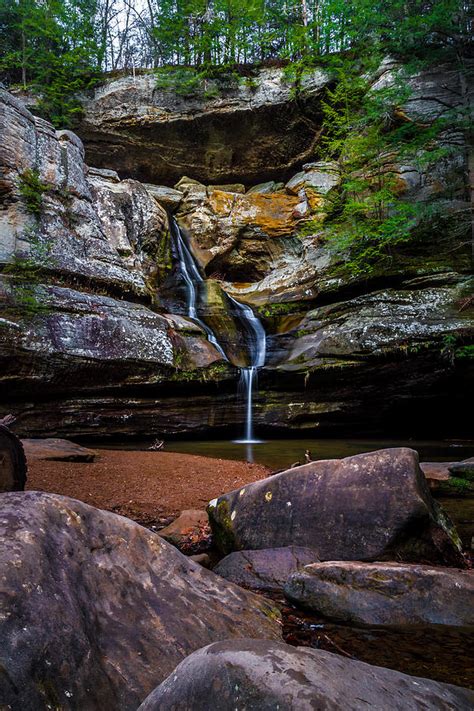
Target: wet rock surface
{"x": 101, "y": 340}
{"x": 269, "y": 675}
{"x": 367, "y": 507}
{"x": 385, "y": 593}
{"x": 264, "y": 570}
{"x": 119, "y": 607}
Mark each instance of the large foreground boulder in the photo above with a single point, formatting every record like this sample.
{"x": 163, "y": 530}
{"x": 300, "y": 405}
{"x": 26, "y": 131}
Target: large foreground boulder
{"x": 374, "y": 506}
{"x": 264, "y": 570}
{"x": 249, "y": 674}
{"x": 385, "y": 593}
{"x": 95, "y": 610}
{"x": 12, "y": 461}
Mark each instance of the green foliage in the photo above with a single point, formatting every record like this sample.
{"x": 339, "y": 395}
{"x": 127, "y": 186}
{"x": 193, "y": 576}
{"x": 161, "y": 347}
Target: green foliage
{"x": 281, "y": 309}
{"x": 51, "y": 48}
{"x": 182, "y": 81}
{"x": 209, "y": 82}
{"x": 32, "y": 189}
{"x": 224, "y": 32}
{"x": 371, "y": 217}
{"x": 215, "y": 372}
{"x": 465, "y": 352}
{"x": 58, "y": 48}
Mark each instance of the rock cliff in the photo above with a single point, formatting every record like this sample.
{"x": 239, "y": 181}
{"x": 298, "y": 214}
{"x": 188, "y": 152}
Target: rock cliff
{"x": 92, "y": 333}
{"x": 251, "y": 130}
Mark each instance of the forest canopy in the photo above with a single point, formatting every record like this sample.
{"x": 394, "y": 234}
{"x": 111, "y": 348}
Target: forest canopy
{"x": 87, "y": 36}
{"x": 59, "y": 47}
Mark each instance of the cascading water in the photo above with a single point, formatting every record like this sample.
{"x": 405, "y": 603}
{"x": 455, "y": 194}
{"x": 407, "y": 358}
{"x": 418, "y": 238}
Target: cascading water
{"x": 192, "y": 279}
{"x": 256, "y": 338}
{"x": 248, "y": 376}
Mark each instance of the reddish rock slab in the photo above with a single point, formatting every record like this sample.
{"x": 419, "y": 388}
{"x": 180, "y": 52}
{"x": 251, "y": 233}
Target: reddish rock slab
{"x": 191, "y": 527}
{"x": 435, "y": 471}
{"x": 60, "y": 450}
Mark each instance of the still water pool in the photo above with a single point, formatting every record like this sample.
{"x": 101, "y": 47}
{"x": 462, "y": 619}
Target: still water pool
{"x": 282, "y": 453}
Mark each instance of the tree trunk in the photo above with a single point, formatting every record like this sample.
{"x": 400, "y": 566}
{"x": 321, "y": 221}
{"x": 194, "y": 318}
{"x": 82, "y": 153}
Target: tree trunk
{"x": 469, "y": 141}
{"x": 23, "y": 58}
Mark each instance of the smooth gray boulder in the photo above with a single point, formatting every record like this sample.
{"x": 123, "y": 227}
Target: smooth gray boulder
{"x": 165, "y": 196}
{"x": 95, "y": 610}
{"x": 264, "y": 570}
{"x": 374, "y": 506}
{"x": 266, "y": 676}
{"x": 385, "y": 593}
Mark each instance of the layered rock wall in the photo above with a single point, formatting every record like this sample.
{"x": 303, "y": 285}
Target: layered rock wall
{"x": 93, "y": 338}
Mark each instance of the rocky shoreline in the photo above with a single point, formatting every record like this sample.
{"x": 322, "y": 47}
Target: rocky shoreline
{"x": 124, "y": 607}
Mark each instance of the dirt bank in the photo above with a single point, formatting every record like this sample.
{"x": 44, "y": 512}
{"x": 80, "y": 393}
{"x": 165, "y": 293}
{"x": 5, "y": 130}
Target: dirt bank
{"x": 149, "y": 487}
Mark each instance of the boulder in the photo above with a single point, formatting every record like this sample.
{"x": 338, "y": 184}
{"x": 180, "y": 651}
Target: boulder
{"x": 166, "y": 197}
{"x": 463, "y": 470}
{"x": 13, "y": 468}
{"x": 96, "y": 610}
{"x": 385, "y": 593}
{"x": 251, "y": 674}
{"x": 373, "y": 506}
{"x": 264, "y": 570}
{"x": 59, "y": 450}
{"x": 190, "y": 524}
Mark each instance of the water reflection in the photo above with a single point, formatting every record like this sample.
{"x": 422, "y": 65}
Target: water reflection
{"x": 282, "y": 453}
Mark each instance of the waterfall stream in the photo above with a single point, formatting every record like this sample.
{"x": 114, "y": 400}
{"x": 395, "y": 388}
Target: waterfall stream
{"x": 255, "y": 333}
{"x": 248, "y": 376}
{"x": 192, "y": 279}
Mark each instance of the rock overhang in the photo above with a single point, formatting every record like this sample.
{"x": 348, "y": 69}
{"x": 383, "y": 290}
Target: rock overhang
{"x": 248, "y": 134}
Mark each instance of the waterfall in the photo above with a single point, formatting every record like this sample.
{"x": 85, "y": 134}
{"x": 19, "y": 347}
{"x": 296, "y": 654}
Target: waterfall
{"x": 255, "y": 333}
{"x": 192, "y": 279}
{"x": 257, "y": 352}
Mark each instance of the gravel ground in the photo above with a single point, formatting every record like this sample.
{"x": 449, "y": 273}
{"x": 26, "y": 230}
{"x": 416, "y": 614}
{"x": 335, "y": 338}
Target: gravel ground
{"x": 149, "y": 487}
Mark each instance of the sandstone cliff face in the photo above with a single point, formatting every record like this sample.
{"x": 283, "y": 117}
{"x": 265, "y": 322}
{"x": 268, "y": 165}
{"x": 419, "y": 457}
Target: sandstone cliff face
{"x": 89, "y": 344}
{"x": 86, "y": 225}
{"x": 82, "y": 255}
{"x": 251, "y": 132}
